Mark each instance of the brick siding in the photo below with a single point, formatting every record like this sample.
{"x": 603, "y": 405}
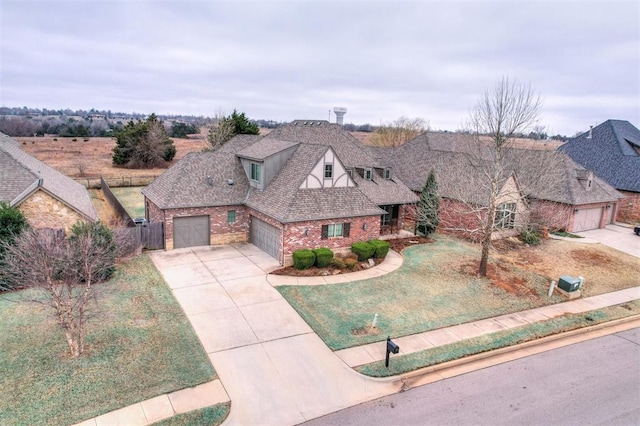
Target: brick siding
{"x": 629, "y": 207}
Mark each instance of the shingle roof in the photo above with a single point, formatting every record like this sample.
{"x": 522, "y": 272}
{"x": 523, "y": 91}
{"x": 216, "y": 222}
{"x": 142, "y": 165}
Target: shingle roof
{"x": 460, "y": 173}
{"x": 610, "y": 153}
{"x": 264, "y": 148}
{"x": 350, "y": 150}
{"x": 21, "y": 174}
{"x": 186, "y": 183}
{"x": 284, "y": 200}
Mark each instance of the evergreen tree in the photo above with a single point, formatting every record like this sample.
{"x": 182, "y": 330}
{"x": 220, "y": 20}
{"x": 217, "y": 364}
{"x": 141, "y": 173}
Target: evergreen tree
{"x": 242, "y": 125}
{"x": 225, "y": 128}
{"x": 143, "y": 144}
{"x": 427, "y": 217}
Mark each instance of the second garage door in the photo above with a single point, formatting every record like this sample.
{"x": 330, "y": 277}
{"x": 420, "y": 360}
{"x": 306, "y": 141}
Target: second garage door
{"x": 190, "y": 231}
{"x": 587, "y": 219}
{"x": 265, "y": 236}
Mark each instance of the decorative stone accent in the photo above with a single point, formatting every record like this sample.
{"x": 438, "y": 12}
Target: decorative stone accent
{"x": 44, "y": 211}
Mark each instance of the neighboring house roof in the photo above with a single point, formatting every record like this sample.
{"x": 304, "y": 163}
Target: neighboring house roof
{"x": 201, "y": 179}
{"x": 21, "y": 175}
{"x": 612, "y": 151}
{"x": 560, "y": 179}
{"x": 460, "y": 175}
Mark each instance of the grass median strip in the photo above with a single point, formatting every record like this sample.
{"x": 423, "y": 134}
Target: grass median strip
{"x": 140, "y": 345}
{"x": 210, "y": 416}
{"x": 410, "y": 362}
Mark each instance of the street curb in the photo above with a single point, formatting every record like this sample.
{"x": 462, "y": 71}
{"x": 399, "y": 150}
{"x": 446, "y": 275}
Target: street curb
{"x": 498, "y": 356}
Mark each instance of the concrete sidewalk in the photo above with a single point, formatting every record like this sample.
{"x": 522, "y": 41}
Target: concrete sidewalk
{"x": 271, "y": 365}
{"x": 372, "y": 352}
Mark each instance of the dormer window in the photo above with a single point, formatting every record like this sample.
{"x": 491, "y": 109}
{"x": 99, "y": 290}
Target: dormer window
{"x": 328, "y": 171}
{"x": 367, "y": 174}
{"x": 255, "y": 172}
{"x": 387, "y": 174}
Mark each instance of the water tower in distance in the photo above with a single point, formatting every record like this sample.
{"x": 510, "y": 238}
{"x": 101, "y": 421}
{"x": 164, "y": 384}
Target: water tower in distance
{"x": 340, "y": 112}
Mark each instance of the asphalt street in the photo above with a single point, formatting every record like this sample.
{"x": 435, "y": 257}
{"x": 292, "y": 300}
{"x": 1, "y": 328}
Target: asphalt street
{"x": 593, "y": 382}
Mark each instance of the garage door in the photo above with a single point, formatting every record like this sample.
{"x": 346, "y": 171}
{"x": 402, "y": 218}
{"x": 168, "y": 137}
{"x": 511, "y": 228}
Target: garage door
{"x": 265, "y": 236}
{"x": 586, "y": 219}
{"x": 190, "y": 231}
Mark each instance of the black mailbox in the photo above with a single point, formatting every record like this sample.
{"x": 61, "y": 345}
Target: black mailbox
{"x": 391, "y": 348}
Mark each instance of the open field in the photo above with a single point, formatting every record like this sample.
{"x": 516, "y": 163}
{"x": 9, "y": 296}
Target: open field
{"x": 437, "y": 287}
{"x": 94, "y": 155}
{"x": 139, "y": 345}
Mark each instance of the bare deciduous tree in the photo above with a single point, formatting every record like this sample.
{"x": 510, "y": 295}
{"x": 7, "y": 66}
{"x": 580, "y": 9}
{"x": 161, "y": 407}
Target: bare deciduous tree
{"x": 398, "y": 132}
{"x": 219, "y": 133}
{"x": 65, "y": 270}
{"x": 510, "y": 108}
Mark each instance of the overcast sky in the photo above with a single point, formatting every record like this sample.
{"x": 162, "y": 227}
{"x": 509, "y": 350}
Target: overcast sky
{"x": 284, "y": 60}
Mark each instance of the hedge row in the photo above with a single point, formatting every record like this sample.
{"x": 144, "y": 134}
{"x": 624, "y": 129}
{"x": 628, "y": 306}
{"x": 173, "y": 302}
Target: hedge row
{"x": 305, "y": 258}
{"x": 372, "y": 248}
{"x": 322, "y": 257}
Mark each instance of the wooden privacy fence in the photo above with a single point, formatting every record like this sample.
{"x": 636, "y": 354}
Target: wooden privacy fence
{"x": 148, "y": 235}
{"x": 116, "y": 182}
{"x": 113, "y": 201}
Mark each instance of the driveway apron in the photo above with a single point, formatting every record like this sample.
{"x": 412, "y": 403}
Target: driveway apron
{"x": 275, "y": 369}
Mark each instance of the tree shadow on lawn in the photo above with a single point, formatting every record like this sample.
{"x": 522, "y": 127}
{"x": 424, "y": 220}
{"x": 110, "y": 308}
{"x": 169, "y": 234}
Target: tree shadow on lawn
{"x": 435, "y": 287}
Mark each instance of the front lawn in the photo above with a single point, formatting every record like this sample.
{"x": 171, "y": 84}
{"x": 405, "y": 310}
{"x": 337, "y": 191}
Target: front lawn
{"x": 436, "y": 287}
{"x": 140, "y": 345}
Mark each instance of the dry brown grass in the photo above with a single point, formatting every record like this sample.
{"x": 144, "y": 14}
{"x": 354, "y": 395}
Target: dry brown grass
{"x": 66, "y": 155}
{"x": 605, "y": 269}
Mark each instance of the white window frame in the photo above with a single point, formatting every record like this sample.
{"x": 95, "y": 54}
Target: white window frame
{"x": 328, "y": 167}
{"x": 506, "y": 216}
{"x": 335, "y": 230}
{"x": 255, "y": 172}
{"x": 368, "y": 174}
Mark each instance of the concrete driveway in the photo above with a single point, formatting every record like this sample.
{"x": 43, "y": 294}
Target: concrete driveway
{"x": 274, "y": 368}
{"x": 615, "y": 236}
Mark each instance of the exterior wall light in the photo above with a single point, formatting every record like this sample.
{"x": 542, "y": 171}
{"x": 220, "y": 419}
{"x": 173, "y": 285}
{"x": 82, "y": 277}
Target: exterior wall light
{"x": 364, "y": 226}
{"x": 306, "y": 232}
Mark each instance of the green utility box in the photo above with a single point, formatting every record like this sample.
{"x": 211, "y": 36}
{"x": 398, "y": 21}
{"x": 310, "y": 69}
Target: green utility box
{"x": 569, "y": 283}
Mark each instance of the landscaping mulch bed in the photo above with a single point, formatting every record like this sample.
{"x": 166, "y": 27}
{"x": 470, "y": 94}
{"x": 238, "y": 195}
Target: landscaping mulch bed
{"x": 396, "y": 245}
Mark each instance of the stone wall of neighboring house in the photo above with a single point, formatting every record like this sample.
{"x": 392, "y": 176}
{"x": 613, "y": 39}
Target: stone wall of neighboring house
{"x": 295, "y": 238}
{"x": 44, "y": 211}
{"x": 629, "y": 208}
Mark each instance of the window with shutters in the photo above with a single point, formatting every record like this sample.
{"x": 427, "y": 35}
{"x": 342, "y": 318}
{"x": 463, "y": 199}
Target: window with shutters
{"x": 335, "y": 230}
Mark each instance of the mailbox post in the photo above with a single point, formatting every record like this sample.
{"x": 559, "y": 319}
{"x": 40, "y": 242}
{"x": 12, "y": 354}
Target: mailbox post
{"x": 391, "y": 348}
